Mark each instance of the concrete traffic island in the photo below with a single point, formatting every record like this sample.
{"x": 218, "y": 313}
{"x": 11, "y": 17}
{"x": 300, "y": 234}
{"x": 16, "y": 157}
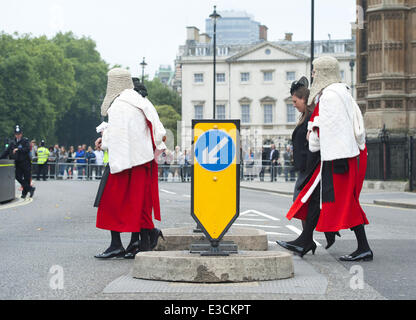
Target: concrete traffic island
{"x": 182, "y": 238}
{"x": 183, "y": 266}
{"x": 173, "y": 261}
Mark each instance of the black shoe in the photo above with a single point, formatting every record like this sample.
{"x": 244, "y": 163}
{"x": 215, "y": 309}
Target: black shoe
{"x": 306, "y": 249}
{"x": 108, "y": 254}
{"x": 32, "y": 191}
{"x": 24, "y": 194}
{"x": 366, "y": 256}
{"x": 132, "y": 250}
{"x": 330, "y": 238}
{"x": 154, "y": 235}
{"x": 145, "y": 240}
{"x": 291, "y": 247}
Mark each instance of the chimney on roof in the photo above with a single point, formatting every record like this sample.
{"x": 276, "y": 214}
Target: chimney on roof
{"x": 204, "y": 38}
{"x": 192, "y": 34}
{"x": 288, "y": 36}
{"x": 263, "y": 32}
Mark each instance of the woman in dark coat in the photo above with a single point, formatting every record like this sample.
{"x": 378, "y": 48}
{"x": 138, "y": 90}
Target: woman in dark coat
{"x": 305, "y": 163}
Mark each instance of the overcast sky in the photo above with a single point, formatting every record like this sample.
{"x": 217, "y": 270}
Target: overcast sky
{"x": 128, "y": 30}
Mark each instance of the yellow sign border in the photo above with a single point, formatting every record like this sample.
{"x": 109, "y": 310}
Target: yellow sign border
{"x": 235, "y": 162}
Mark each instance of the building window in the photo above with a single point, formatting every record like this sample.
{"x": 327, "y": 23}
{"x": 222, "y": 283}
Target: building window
{"x": 339, "y": 48}
{"x": 291, "y": 113}
{"x": 245, "y": 113}
{"x": 290, "y": 76}
{"x": 245, "y": 76}
{"x": 268, "y": 113}
{"x": 199, "y": 111}
{"x": 198, "y": 77}
{"x": 342, "y": 75}
{"x": 220, "y": 77}
{"x": 268, "y": 76}
{"x": 220, "y": 112}
{"x": 222, "y": 51}
{"x": 318, "y": 49}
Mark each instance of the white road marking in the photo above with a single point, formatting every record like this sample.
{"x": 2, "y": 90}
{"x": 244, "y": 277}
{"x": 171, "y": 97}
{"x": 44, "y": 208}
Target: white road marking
{"x": 186, "y": 195}
{"x": 298, "y": 232}
{"x": 248, "y": 214}
{"x": 166, "y": 191}
{"x": 265, "y": 215}
{"x": 277, "y": 233}
{"x": 251, "y": 219}
{"x": 254, "y": 213}
{"x": 294, "y": 229}
{"x": 16, "y": 204}
{"x": 255, "y": 225}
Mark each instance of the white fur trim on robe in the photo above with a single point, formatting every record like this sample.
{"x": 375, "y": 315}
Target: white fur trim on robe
{"x": 127, "y": 136}
{"x": 341, "y": 125}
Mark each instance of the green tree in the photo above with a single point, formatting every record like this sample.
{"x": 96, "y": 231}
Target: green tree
{"x": 169, "y": 117}
{"x": 78, "y": 123}
{"x": 160, "y": 94}
{"x": 23, "y": 91}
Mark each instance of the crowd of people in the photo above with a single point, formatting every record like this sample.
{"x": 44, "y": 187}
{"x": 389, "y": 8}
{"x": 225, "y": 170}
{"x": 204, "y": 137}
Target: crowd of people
{"x": 86, "y": 162}
{"x": 59, "y": 161}
{"x": 256, "y": 164}
{"x": 175, "y": 163}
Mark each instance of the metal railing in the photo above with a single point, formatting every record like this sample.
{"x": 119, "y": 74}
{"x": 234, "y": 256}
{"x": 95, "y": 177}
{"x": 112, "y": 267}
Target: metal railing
{"x": 72, "y": 170}
{"x": 68, "y": 170}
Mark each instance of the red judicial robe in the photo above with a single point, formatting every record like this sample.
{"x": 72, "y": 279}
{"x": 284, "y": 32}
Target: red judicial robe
{"x": 129, "y": 197}
{"x": 344, "y": 211}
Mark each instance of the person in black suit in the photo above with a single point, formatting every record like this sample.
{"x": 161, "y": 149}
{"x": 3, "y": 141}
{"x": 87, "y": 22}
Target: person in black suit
{"x": 18, "y": 150}
{"x": 273, "y": 157}
{"x": 264, "y": 163}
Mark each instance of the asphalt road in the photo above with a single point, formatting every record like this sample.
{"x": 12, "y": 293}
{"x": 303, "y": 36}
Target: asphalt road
{"x": 56, "y": 231}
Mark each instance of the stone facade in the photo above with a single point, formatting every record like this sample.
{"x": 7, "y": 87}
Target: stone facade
{"x": 386, "y": 65}
{"x": 253, "y": 84}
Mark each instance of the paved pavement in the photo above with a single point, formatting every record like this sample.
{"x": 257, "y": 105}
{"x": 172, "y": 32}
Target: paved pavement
{"x": 54, "y": 234}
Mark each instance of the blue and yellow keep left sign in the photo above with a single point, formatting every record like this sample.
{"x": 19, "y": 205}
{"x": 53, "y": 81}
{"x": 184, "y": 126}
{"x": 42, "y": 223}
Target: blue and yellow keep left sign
{"x": 215, "y": 175}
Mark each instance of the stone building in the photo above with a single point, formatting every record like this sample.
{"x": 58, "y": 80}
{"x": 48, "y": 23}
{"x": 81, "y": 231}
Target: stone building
{"x": 386, "y": 64}
{"x": 252, "y": 83}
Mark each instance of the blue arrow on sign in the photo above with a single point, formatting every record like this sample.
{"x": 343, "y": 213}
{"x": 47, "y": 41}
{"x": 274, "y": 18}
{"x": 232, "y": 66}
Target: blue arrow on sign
{"x": 215, "y": 150}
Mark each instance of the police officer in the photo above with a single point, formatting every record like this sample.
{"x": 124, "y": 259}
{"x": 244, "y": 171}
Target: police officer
{"x": 43, "y": 155}
{"x": 18, "y": 150}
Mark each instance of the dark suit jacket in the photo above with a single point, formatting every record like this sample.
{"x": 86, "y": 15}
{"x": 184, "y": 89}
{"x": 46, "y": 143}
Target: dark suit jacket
{"x": 275, "y": 155}
{"x": 304, "y": 160}
{"x": 300, "y": 146}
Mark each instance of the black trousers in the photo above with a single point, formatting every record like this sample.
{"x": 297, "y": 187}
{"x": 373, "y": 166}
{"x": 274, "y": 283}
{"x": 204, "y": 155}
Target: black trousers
{"x": 23, "y": 175}
{"x": 42, "y": 169}
{"x": 314, "y": 211}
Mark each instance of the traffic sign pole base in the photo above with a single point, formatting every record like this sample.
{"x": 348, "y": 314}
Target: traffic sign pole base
{"x": 198, "y": 229}
{"x": 215, "y": 249}
{"x": 205, "y": 248}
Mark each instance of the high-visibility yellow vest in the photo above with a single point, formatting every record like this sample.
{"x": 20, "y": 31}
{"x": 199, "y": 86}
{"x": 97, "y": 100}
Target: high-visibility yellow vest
{"x": 43, "y": 154}
{"x": 105, "y": 158}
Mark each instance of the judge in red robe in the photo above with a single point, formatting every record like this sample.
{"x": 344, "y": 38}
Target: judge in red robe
{"x": 336, "y": 130}
{"x": 130, "y": 194}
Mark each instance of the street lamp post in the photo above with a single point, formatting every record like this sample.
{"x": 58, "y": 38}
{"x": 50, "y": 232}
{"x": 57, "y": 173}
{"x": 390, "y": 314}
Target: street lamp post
{"x": 312, "y": 35}
{"x": 143, "y": 64}
{"x": 214, "y": 17}
{"x": 352, "y": 64}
